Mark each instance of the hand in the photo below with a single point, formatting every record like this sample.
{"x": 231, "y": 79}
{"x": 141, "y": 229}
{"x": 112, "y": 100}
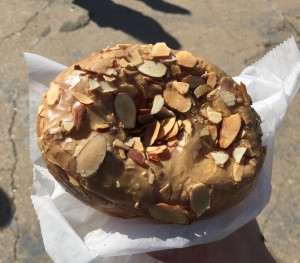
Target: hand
{"x": 246, "y": 245}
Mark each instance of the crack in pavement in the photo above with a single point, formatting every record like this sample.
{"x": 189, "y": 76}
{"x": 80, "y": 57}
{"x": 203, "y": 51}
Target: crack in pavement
{"x": 12, "y": 173}
{"x": 27, "y": 22}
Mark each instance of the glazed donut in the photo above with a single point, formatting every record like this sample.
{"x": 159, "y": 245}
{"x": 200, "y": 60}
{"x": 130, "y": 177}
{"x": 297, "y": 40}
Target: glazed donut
{"x": 147, "y": 131}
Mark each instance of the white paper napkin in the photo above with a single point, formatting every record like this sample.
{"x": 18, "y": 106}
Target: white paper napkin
{"x": 74, "y": 232}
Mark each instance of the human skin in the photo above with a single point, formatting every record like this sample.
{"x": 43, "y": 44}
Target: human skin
{"x": 246, "y": 245}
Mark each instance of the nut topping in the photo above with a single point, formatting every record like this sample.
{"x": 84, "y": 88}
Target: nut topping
{"x": 177, "y": 101}
{"x": 214, "y": 116}
{"x": 151, "y": 133}
{"x": 230, "y": 128}
{"x": 227, "y": 97}
{"x": 157, "y": 104}
{"x": 53, "y": 94}
{"x": 200, "y": 198}
{"x": 181, "y": 87}
{"x": 160, "y": 50}
{"x": 91, "y": 156}
{"x": 152, "y": 68}
{"x": 82, "y": 98}
{"x": 186, "y": 59}
{"x": 125, "y": 110}
{"x": 220, "y": 158}
{"x": 238, "y": 153}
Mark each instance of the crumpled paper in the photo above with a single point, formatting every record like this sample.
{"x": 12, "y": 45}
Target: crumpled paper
{"x": 74, "y": 232}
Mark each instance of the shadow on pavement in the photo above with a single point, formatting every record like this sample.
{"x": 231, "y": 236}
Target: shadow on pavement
{"x": 109, "y": 14}
{"x": 6, "y": 212}
{"x": 162, "y": 6}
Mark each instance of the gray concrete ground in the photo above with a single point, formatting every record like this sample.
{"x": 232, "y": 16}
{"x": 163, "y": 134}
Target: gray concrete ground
{"x": 230, "y": 33}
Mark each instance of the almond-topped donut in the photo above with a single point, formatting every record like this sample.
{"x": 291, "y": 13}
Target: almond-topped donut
{"x": 146, "y": 131}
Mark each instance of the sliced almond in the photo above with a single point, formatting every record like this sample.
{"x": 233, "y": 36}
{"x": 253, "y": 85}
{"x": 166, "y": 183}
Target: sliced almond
{"x": 243, "y": 90}
{"x": 212, "y": 79}
{"x": 151, "y": 133}
{"x": 68, "y": 125}
{"x": 227, "y": 97}
{"x": 137, "y": 157}
{"x": 173, "y": 132}
{"x": 156, "y": 149}
{"x": 177, "y": 101}
{"x": 220, "y": 158}
{"x": 102, "y": 127}
{"x": 169, "y": 214}
{"x": 120, "y": 144}
{"x": 106, "y": 87}
{"x": 214, "y": 116}
{"x": 109, "y": 78}
{"x": 158, "y": 102}
{"x": 80, "y": 114}
{"x": 125, "y": 110}
{"x": 138, "y": 144}
{"x": 237, "y": 171}
{"x": 230, "y": 128}
{"x": 123, "y": 63}
{"x": 160, "y": 50}
{"x": 186, "y": 59}
{"x": 172, "y": 142}
{"x": 53, "y": 94}
{"x": 129, "y": 141}
{"x": 122, "y": 153}
{"x": 188, "y": 127}
{"x": 135, "y": 58}
{"x": 40, "y": 109}
{"x": 91, "y": 156}
{"x": 165, "y": 127}
{"x": 152, "y": 69}
{"x": 204, "y": 131}
{"x": 181, "y": 87}
{"x": 109, "y": 72}
{"x": 213, "y": 131}
{"x": 93, "y": 84}
{"x": 201, "y": 90}
{"x": 200, "y": 198}
{"x": 238, "y": 153}
{"x": 84, "y": 99}
{"x": 219, "y": 105}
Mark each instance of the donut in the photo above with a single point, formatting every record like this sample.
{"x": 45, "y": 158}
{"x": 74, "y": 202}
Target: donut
{"x": 147, "y": 131}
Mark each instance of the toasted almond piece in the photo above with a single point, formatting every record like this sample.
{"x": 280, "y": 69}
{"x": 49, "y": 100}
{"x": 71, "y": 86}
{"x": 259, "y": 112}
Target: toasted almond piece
{"x": 227, "y": 97}
{"x": 238, "y": 153}
{"x": 53, "y": 94}
{"x": 123, "y": 63}
{"x": 243, "y": 90}
{"x": 137, "y": 157}
{"x": 138, "y": 144}
{"x": 158, "y": 102}
{"x": 219, "y": 106}
{"x": 125, "y": 110}
{"x": 135, "y": 58}
{"x": 122, "y": 153}
{"x": 151, "y": 133}
{"x": 82, "y": 98}
{"x": 169, "y": 214}
{"x": 73, "y": 181}
{"x": 204, "y": 131}
{"x": 93, "y": 84}
{"x": 188, "y": 127}
{"x": 40, "y": 109}
{"x": 213, "y": 131}
{"x": 177, "y": 101}
{"x": 173, "y": 132}
{"x": 237, "y": 172}
{"x": 80, "y": 114}
{"x": 120, "y": 144}
{"x": 200, "y": 198}
{"x": 201, "y": 90}
{"x": 186, "y": 59}
{"x": 102, "y": 127}
{"x": 91, "y": 156}
{"x": 111, "y": 71}
{"x": 156, "y": 149}
{"x": 220, "y": 158}
{"x": 153, "y": 69}
{"x": 172, "y": 142}
{"x": 106, "y": 87}
{"x": 160, "y": 50}
{"x": 214, "y": 116}
{"x": 129, "y": 141}
{"x": 165, "y": 127}
{"x": 181, "y": 87}
{"x": 230, "y": 128}
{"x": 109, "y": 78}
{"x": 212, "y": 79}
{"x": 68, "y": 125}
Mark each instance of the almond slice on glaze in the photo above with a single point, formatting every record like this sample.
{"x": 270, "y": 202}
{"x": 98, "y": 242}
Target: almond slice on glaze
{"x": 53, "y": 94}
{"x": 213, "y": 115}
{"x": 94, "y": 84}
{"x": 151, "y": 133}
{"x": 158, "y": 102}
{"x": 120, "y": 144}
{"x": 186, "y": 59}
{"x": 230, "y": 128}
{"x": 106, "y": 87}
{"x": 82, "y": 98}
{"x": 220, "y": 158}
{"x": 125, "y": 110}
{"x": 166, "y": 126}
{"x": 152, "y": 69}
{"x": 181, "y": 87}
{"x": 200, "y": 198}
{"x": 160, "y": 50}
{"x": 227, "y": 97}
{"x": 201, "y": 90}
{"x": 177, "y": 101}
{"x": 91, "y": 156}
{"x": 238, "y": 153}
{"x": 169, "y": 214}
